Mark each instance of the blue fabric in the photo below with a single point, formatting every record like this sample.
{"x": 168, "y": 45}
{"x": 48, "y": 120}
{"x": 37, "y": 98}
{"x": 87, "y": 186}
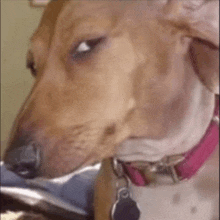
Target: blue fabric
{"x": 10, "y": 179}
{"x": 77, "y": 191}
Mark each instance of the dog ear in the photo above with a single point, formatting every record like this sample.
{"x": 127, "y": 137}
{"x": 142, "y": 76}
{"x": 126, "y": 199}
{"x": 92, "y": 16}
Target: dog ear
{"x": 205, "y": 60}
{"x": 200, "y": 19}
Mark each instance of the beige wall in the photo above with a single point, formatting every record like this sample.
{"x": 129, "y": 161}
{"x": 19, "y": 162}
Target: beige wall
{"x": 18, "y": 21}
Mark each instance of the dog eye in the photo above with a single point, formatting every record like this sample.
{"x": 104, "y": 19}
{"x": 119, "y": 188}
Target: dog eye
{"x": 31, "y": 65}
{"x": 86, "y": 47}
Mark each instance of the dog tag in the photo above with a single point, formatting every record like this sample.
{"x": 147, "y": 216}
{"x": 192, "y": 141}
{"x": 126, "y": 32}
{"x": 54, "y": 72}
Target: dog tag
{"x": 125, "y": 207}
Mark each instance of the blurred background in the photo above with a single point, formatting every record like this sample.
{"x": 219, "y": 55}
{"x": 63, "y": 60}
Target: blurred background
{"x": 19, "y": 19}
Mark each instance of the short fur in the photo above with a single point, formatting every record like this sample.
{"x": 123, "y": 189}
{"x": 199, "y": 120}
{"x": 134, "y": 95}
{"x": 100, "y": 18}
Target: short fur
{"x": 139, "y": 82}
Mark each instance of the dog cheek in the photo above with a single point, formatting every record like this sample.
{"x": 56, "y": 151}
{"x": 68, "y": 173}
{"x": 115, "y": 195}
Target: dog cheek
{"x": 69, "y": 149}
{"x": 64, "y": 159}
{"x": 66, "y": 150}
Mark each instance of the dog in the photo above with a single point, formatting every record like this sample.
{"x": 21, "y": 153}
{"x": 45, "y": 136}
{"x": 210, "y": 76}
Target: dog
{"x": 132, "y": 84}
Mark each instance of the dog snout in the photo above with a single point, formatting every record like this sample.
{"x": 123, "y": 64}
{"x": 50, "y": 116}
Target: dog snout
{"x": 24, "y": 160}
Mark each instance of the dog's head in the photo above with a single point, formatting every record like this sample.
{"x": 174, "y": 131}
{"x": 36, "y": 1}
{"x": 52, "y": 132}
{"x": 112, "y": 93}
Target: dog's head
{"x": 106, "y": 71}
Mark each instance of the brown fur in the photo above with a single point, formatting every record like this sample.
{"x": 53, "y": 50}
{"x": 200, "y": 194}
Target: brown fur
{"x": 137, "y": 82}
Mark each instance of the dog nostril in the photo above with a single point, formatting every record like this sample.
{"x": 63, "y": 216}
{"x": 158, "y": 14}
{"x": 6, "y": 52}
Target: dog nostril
{"x": 24, "y": 161}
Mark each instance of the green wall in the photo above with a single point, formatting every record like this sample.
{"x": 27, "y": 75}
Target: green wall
{"x": 18, "y": 21}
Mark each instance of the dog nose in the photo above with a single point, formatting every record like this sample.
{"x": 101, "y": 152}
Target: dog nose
{"x": 24, "y": 161}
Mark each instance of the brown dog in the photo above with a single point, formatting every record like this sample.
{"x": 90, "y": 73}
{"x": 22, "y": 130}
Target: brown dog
{"x": 136, "y": 80}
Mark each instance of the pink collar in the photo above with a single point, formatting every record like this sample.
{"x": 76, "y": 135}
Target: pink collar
{"x": 193, "y": 160}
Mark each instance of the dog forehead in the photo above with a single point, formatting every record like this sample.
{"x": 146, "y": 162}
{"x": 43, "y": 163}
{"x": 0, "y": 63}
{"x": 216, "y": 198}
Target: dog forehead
{"x": 110, "y": 8}
{"x": 77, "y": 9}
{"x": 66, "y": 13}
{"x": 77, "y": 12}
{"x": 61, "y": 16}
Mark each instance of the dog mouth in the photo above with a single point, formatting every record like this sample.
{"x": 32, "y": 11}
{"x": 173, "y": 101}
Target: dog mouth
{"x": 72, "y": 165}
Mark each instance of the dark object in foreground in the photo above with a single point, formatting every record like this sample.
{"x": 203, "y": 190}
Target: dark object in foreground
{"x": 66, "y": 198}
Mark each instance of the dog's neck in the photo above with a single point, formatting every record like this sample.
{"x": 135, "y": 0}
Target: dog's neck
{"x": 143, "y": 149}
{"x": 178, "y": 167}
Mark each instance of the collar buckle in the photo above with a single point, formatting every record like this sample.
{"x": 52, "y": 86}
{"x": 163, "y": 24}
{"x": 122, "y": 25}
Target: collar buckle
{"x": 175, "y": 177}
{"x": 167, "y": 166}
{"x": 170, "y": 163}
